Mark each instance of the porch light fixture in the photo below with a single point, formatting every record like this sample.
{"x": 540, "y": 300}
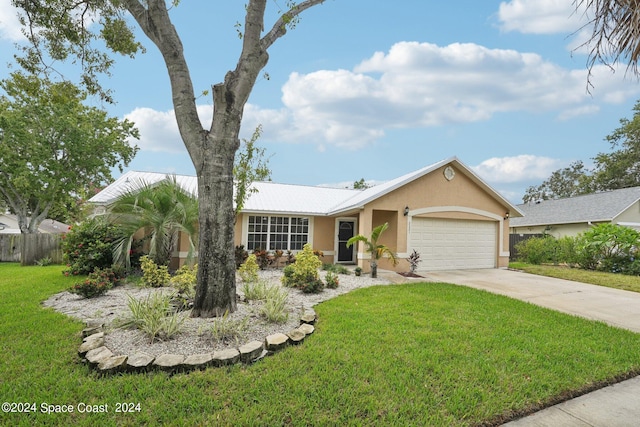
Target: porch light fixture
{"x": 406, "y": 210}
{"x": 506, "y": 215}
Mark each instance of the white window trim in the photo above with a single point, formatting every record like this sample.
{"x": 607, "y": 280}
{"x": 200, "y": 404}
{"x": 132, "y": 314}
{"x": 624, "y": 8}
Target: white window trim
{"x": 245, "y": 226}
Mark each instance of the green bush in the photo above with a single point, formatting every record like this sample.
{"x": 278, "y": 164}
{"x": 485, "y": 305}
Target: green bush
{"x": 336, "y": 268}
{"x": 313, "y": 286}
{"x": 185, "y": 280}
{"x": 304, "y": 271}
{"x": 332, "y": 280}
{"x": 609, "y": 247}
{"x": 152, "y": 274}
{"x": 89, "y": 246}
{"x": 226, "y": 329}
{"x": 248, "y": 271}
{"x": 97, "y": 283}
{"x": 538, "y": 250}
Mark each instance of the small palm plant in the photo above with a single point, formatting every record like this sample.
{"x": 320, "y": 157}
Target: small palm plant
{"x": 376, "y": 249}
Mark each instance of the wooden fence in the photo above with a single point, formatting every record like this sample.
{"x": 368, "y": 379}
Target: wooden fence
{"x": 29, "y": 248}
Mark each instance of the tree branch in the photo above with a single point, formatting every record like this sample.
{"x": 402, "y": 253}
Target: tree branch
{"x": 279, "y": 28}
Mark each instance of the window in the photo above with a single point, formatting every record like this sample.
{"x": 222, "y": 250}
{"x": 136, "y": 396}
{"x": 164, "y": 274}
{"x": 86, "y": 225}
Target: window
{"x": 277, "y": 233}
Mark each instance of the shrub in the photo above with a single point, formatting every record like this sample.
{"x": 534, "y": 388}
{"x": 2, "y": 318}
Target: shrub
{"x": 89, "y": 246}
{"x": 97, "y": 283}
{"x": 332, "y": 280}
{"x": 274, "y": 308}
{"x": 304, "y": 270}
{"x": 538, "y": 250}
{"x": 154, "y": 275}
{"x": 154, "y": 316}
{"x": 609, "y": 247}
{"x": 185, "y": 280}
{"x": 241, "y": 255}
{"x": 262, "y": 258}
{"x": 44, "y": 262}
{"x": 255, "y": 291}
{"x": 313, "y": 286}
{"x": 248, "y": 271}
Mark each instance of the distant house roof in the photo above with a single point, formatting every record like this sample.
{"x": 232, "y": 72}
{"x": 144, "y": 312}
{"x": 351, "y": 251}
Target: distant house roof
{"x": 597, "y": 207}
{"x": 297, "y": 199}
{"x": 9, "y": 225}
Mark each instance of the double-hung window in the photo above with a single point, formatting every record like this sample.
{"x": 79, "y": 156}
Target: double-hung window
{"x": 277, "y": 232}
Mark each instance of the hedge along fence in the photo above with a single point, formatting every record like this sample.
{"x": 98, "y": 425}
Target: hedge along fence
{"x": 29, "y": 248}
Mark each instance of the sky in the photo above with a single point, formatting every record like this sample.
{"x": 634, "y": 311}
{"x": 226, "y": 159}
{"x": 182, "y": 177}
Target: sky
{"x": 376, "y": 89}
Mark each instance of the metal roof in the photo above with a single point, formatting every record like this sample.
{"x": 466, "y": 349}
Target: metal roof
{"x": 597, "y": 207}
{"x": 295, "y": 199}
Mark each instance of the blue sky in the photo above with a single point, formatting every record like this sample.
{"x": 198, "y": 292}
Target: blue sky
{"x": 375, "y": 89}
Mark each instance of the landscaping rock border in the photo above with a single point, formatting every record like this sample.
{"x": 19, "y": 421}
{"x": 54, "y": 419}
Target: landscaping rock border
{"x": 94, "y": 352}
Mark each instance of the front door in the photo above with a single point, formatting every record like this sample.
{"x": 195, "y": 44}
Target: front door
{"x": 346, "y": 230}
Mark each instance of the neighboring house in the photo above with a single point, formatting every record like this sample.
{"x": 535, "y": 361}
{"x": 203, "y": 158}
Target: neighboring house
{"x": 9, "y": 225}
{"x": 450, "y": 216}
{"x": 574, "y": 215}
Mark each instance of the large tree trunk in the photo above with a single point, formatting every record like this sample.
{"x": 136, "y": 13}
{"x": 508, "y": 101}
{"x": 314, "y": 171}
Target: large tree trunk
{"x": 216, "y": 291}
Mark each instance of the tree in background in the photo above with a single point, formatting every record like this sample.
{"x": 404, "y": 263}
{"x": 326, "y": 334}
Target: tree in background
{"x": 52, "y": 146}
{"x": 250, "y": 166}
{"x": 361, "y": 184}
{"x": 617, "y": 169}
{"x": 61, "y": 29}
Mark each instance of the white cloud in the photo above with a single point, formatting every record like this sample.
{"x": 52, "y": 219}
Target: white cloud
{"x": 522, "y": 168}
{"x": 414, "y": 85}
{"x": 9, "y": 23}
{"x": 540, "y": 16}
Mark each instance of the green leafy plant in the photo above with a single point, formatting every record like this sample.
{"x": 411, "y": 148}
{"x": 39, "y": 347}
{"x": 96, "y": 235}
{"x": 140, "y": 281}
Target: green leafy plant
{"x": 275, "y": 305}
{"x": 154, "y": 275}
{"x": 336, "y": 268}
{"x": 89, "y": 246}
{"x": 255, "y": 291}
{"x": 44, "y": 262}
{"x": 226, "y": 328}
{"x": 97, "y": 283}
{"x": 538, "y": 250}
{"x": 184, "y": 280}
{"x": 358, "y": 271}
{"x": 248, "y": 271}
{"x": 304, "y": 270}
{"x": 312, "y": 286}
{"x": 262, "y": 258}
{"x": 154, "y": 316}
{"x": 331, "y": 280}
{"x": 377, "y": 250}
{"x": 609, "y": 247}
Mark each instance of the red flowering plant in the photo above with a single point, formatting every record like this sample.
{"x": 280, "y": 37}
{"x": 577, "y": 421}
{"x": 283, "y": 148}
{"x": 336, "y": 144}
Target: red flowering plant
{"x": 97, "y": 283}
{"x": 89, "y": 246}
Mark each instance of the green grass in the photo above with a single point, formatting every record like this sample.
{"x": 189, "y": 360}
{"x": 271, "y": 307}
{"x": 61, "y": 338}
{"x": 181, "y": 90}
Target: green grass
{"x": 610, "y": 280}
{"x": 416, "y": 354}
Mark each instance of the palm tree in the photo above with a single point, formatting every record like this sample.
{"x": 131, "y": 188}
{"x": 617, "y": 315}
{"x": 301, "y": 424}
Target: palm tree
{"x": 162, "y": 210}
{"x": 372, "y": 246}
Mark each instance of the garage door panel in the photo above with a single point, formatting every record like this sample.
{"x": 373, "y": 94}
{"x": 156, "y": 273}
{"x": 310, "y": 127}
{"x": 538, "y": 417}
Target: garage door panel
{"x": 446, "y": 244}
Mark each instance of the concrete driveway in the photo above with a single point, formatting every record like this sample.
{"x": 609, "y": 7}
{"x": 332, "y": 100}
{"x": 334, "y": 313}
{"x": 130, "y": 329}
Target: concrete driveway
{"x": 612, "y": 306}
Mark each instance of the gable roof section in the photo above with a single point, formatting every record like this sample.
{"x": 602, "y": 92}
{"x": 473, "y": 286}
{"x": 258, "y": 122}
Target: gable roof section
{"x": 596, "y": 207}
{"x": 297, "y": 199}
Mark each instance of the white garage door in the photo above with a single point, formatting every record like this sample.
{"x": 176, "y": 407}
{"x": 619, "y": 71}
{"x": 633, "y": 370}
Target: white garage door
{"x": 452, "y": 244}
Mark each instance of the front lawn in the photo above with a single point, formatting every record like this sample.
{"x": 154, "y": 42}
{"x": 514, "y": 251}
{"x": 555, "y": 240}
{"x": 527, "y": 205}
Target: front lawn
{"x": 422, "y": 353}
{"x": 610, "y": 280}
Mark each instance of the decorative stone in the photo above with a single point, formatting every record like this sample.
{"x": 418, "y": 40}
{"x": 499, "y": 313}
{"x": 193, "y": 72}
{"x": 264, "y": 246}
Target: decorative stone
{"x": 296, "y": 336}
{"x": 198, "y": 361}
{"x": 112, "y": 364}
{"x": 90, "y": 343}
{"x": 306, "y": 328}
{"x": 308, "y": 318}
{"x": 99, "y": 334}
{"x": 250, "y": 351}
{"x": 91, "y": 330}
{"x": 169, "y": 362}
{"x": 226, "y": 357}
{"x": 96, "y": 355}
{"x": 139, "y": 362}
{"x": 276, "y": 342}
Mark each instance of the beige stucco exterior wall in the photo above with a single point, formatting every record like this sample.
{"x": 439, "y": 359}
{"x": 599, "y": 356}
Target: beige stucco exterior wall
{"x": 458, "y": 197}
